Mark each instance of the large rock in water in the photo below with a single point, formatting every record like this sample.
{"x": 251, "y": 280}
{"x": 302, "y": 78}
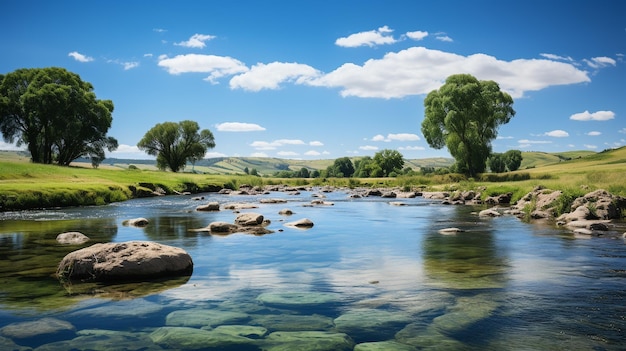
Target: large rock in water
{"x": 128, "y": 260}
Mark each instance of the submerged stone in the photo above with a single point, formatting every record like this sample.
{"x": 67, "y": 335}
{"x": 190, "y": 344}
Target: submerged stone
{"x": 307, "y": 341}
{"x": 371, "y": 324}
{"x": 123, "y": 309}
{"x": 298, "y": 299}
{"x": 37, "y": 328}
{"x": 248, "y": 331}
{"x": 204, "y": 317}
{"x": 384, "y": 346}
{"x": 184, "y": 338}
{"x": 293, "y": 322}
{"x": 104, "y": 342}
{"x": 72, "y": 238}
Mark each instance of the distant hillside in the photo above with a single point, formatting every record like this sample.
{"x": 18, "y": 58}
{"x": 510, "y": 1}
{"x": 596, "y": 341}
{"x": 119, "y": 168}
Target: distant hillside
{"x": 533, "y": 159}
{"x": 269, "y": 166}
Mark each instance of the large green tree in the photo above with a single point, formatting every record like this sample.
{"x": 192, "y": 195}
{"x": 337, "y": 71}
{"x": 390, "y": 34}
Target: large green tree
{"x": 55, "y": 114}
{"x": 464, "y": 115}
{"x": 513, "y": 160}
{"x": 174, "y": 144}
{"x": 342, "y": 167}
{"x": 389, "y": 161}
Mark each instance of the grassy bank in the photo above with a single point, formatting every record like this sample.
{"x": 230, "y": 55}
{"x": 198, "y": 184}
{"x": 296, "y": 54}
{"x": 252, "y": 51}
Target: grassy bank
{"x": 25, "y": 185}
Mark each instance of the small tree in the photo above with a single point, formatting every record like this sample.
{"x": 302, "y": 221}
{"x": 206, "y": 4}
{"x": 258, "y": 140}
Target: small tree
{"x": 389, "y": 161}
{"x": 464, "y": 115}
{"x": 174, "y": 144}
{"x": 496, "y": 163}
{"x": 513, "y": 159}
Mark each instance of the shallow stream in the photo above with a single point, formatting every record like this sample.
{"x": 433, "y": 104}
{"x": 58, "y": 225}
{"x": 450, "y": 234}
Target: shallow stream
{"x": 368, "y": 276}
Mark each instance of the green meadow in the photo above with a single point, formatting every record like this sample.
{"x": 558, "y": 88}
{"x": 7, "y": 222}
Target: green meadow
{"x": 26, "y": 185}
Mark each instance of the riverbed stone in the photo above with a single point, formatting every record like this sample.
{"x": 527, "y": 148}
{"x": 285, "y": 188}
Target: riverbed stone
{"x": 104, "y": 341}
{"x": 285, "y": 212}
{"x": 298, "y": 299}
{"x": 72, "y": 238}
{"x": 450, "y": 231}
{"x": 467, "y": 311}
{"x": 293, "y": 322}
{"x": 273, "y": 201}
{"x": 209, "y": 207}
{"x": 249, "y": 219}
{"x": 8, "y": 344}
{"x": 127, "y": 260}
{"x": 489, "y": 213}
{"x": 198, "y": 317}
{"x": 248, "y": 331}
{"x": 371, "y": 324}
{"x": 136, "y": 222}
{"x": 185, "y": 338}
{"x": 384, "y": 346}
{"x": 36, "y": 328}
{"x": 121, "y": 309}
{"x": 223, "y": 227}
{"x": 240, "y": 206}
{"x": 301, "y": 223}
{"x": 307, "y": 341}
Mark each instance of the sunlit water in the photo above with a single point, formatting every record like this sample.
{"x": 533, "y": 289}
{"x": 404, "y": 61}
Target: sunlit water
{"x": 368, "y": 272}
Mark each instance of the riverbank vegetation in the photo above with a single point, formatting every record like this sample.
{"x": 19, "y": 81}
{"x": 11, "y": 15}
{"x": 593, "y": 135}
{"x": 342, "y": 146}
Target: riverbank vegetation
{"x": 25, "y": 185}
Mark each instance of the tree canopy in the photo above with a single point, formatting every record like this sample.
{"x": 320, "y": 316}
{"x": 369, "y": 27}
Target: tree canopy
{"x": 174, "y": 144}
{"x": 389, "y": 161}
{"x": 56, "y": 114}
{"x": 464, "y": 115}
{"x": 341, "y": 167}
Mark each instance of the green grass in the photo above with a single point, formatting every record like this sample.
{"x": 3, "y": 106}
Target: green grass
{"x": 26, "y": 185}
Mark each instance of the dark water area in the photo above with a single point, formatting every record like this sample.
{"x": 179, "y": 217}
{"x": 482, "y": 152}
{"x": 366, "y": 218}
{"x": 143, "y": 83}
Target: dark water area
{"x": 368, "y": 276}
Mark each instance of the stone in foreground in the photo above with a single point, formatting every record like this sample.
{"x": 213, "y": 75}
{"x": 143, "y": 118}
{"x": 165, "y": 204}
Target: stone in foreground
{"x": 128, "y": 260}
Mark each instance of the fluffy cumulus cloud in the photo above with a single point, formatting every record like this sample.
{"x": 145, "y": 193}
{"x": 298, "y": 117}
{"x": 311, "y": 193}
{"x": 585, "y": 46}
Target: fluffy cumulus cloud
{"x": 316, "y": 143}
{"x": 418, "y": 70}
{"x": 197, "y": 41}
{"x": 594, "y": 133}
{"x": 80, "y": 57}
{"x": 557, "y": 133}
{"x": 417, "y": 35}
{"x": 370, "y": 38}
{"x": 595, "y": 116}
{"x": 216, "y": 66}
{"x": 271, "y": 75}
{"x": 238, "y": 127}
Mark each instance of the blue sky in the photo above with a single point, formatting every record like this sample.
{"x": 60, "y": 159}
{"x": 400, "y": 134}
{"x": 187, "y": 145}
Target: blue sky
{"x": 327, "y": 79}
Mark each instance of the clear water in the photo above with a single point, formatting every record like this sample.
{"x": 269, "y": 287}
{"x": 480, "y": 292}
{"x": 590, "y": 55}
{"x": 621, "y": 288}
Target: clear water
{"x": 376, "y": 273}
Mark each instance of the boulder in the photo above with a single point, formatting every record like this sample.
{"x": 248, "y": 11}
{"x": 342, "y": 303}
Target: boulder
{"x": 371, "y": 324}
{"x": 389, "y": 194}
{"x": 489, "y": 213}
{"x": 384, "y": 346}
{"x": 211, "y": 206}
{"x": 499, "y": 199}
{"x": 248, "y": 219}
{"x": 36, "y": 328}
{"x": 223, "y": 227}
{"x": 450, "y": 231}
{"x": 136, "y": 222}
{"x": 198, "y": 317}
{"x": 185, "y": 338}
{"x": 240, "y": 206}
{"x": 321, "y": 203}
{"x": 128, "y": 260}
{"x": 285, "y": 212}
{"x": 272, "y": 201}
{"x": 301, "y": 223}
{"x": 72, "y": 238}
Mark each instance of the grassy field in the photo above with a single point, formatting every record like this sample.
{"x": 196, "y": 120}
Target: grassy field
{"x": 26, "y": 185}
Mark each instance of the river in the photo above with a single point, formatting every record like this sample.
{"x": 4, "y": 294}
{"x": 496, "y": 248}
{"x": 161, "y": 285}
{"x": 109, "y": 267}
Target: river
{"x": 368, "y": 276}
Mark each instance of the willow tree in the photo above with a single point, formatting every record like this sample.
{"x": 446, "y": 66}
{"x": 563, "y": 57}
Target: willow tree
{"x": 55, "y": 114}
{"x": 464, "y": 115}
{"x": 175, "y": 144}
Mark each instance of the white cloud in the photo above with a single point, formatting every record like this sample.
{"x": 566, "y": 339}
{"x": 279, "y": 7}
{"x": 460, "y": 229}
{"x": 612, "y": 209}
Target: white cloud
{"x": 418, "y": 70}
{"x": 444, "y": 38}
{"x": 238, "y": 127}
{"x": 271, "y": 75}
{"x": 594, "y": 133}
{"x": 595, "y": 116}
{"x": 504, "y": 137}
{"x": 417, "y": 35}
{"x": 588, "y": 146}
{"x": 312, "y": 153}
{"x": 396, "y": 137}
{"x": 557, "y": 57}
{"x": 217, "y": 66}
{"x": 411, "y": 148}
{"x": 264, "y": 145}
{"x": 370, "y": 38}
{"x": 159, "y": 30}
{"x": 316, "y": 143}
{"x": 196, "y": 41}
{"x": 557, "y": 133}
{"x": 130, "y": 65}
{"x": 368, "y": 147}
{"x": 526, "y": 141}
{"x": 80, "y": 57}
{"x": 213, "y": 154}
{"x": 287, "y": 153}
{"x": 623, "y": 131}
{"x": 599, "y": 62}
{"x": 258, "y": 154}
